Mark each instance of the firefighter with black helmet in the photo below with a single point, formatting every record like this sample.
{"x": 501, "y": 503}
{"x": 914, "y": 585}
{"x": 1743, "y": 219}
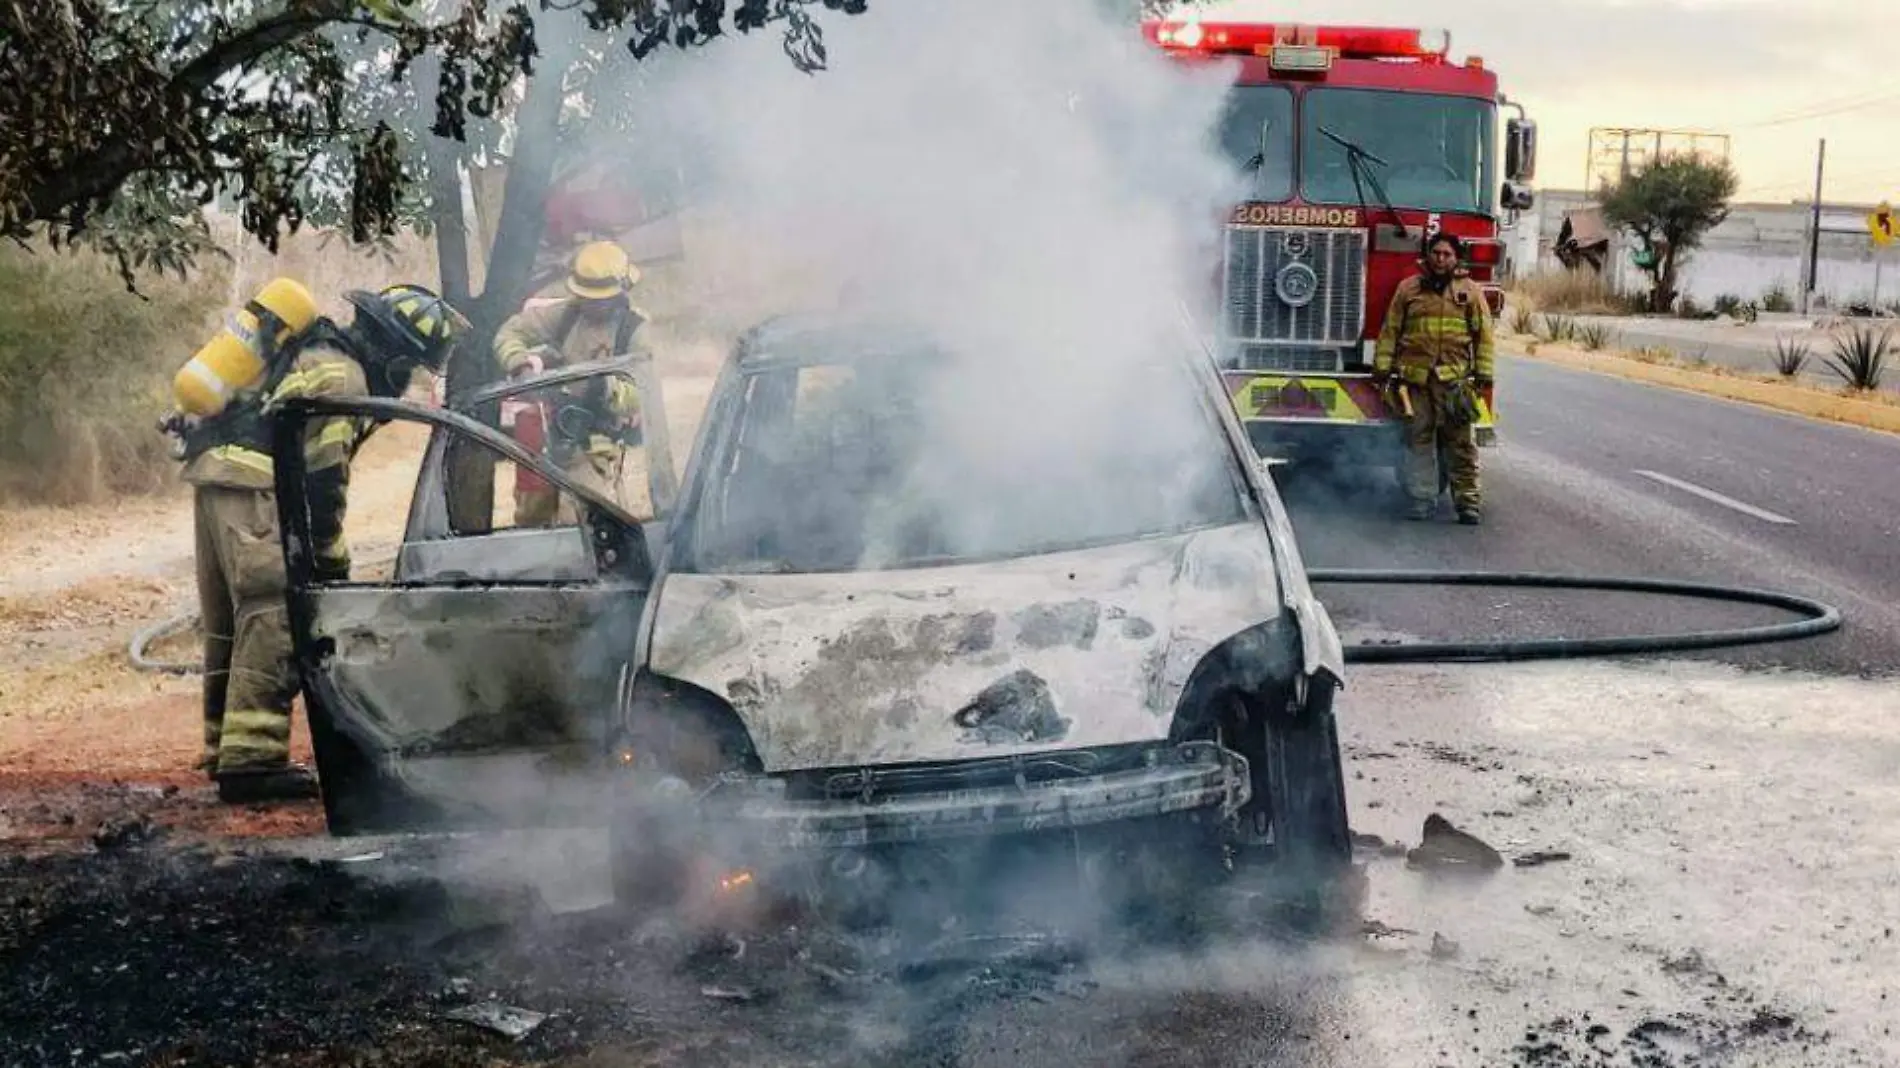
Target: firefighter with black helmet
{"x": 594, "y": 420}
{"x": 280, "y": 350}
{"x": 1438, "y": 344}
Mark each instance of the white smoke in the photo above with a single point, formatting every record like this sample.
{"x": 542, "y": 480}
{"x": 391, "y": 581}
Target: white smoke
{"x": 1033, "y": 185}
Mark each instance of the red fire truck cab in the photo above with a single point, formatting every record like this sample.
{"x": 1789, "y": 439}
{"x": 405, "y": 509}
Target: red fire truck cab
{"x": 1358, "y": 141}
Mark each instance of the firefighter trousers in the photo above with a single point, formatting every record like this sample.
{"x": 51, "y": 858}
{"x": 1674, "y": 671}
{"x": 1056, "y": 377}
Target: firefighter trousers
{"x": 250, "y": 677}
{"x": 545, "y": 506}
{"x": 1436, "y": 429}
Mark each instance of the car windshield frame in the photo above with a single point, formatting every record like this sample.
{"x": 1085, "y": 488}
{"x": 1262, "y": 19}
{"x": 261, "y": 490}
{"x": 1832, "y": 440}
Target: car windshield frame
{"x": 690, "y": 552}
{"x": 1238, "y": 138}
{"x": 1387, "y": 124}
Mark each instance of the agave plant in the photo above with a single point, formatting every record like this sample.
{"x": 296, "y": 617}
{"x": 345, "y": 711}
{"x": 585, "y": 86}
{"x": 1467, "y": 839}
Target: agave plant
{"x": 1523, "y": 319}
{"x": 1860, "y": 358}
{"x": 1791, "y": 356}
{"x": 1559, "y": 328}
{"x": 1595, "y": 336}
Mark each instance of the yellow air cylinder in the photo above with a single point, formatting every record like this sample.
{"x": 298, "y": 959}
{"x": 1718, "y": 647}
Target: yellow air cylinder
{"x": 233, "y": 361}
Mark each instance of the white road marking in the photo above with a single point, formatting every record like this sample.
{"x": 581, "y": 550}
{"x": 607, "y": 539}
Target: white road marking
{"x": 1726, "y": 502}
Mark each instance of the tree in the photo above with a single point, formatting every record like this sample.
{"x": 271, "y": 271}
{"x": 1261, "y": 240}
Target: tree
{"x": 1669, "y": 205}
{"x": 120, "y": 118}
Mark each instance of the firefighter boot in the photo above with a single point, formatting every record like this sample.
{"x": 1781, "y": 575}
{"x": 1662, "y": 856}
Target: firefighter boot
{"x": 248, "y": 786}
{"x": 1470, "y": 517}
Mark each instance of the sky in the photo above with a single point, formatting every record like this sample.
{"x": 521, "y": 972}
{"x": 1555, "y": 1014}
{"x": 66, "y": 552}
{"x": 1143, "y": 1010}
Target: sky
{"x": 1775, "y": 75}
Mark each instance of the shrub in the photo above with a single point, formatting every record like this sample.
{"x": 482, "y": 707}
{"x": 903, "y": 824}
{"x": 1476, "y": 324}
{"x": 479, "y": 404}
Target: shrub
{"x": 1727, "y": 304}
{"x": 1595, "y": 336}
{"x": 1776, "y": 299}
{"x": 85, "y": 369}
{"x": 1580, "y": 290}
{"x": 1860, "y": 358}
{"x": 1523, "y": 318}
{"x": 1791, "y": 356}
{"x": 1560, "y": 328}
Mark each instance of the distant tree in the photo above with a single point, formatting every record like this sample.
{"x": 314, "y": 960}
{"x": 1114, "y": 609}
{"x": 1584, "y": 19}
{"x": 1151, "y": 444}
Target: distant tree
{"x": 1669, "y": 205}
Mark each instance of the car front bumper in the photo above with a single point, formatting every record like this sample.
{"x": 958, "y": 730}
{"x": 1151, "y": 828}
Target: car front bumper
{"x": 1172, "y": 779}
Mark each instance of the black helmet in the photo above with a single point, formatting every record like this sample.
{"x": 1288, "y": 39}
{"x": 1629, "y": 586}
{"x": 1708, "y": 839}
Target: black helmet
{"x": 410, "y": 323}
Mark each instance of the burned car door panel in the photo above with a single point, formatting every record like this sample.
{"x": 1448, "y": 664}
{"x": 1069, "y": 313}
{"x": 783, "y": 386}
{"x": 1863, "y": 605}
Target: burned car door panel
{"x": 476, "y": 686}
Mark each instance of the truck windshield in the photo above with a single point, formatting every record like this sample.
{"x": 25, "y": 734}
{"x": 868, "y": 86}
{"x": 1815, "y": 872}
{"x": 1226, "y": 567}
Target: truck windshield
{"x": 1256, "y": 136}
{"x": 1437, "y": 149}
{"x": 914, "y": 461}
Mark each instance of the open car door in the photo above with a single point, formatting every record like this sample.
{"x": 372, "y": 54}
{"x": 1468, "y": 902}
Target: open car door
{"x": 478, "y": 684}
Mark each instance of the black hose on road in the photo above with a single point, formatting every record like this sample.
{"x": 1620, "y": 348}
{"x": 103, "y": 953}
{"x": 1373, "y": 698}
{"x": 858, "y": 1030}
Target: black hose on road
{"x": 1818, "y": 618}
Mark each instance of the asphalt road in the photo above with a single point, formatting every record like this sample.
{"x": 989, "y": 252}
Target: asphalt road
{"x": 1596, "y": 475}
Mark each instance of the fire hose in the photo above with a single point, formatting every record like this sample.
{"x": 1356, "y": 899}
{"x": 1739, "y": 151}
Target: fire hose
{"x": 1815, "y": 619}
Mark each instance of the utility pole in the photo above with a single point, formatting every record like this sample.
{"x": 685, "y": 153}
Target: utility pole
{"x": 1814, "y": 234}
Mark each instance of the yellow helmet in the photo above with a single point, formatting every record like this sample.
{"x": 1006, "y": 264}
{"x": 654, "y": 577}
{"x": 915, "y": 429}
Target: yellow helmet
{"x": 601, "y": 270}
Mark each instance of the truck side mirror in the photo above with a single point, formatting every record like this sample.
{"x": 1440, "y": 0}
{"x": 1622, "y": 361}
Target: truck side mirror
{"x": 1517, "y": 197}
{"x": 1520, "y": 150}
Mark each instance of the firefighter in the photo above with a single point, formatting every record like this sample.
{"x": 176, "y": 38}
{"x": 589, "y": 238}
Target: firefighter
{"x": 1438, "y": 342}
{"x": 589, "y": 424}
{"x": 250, "y": 676}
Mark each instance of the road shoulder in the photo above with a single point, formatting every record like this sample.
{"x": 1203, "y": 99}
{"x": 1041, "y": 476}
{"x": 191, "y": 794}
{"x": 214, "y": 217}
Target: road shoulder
{"x": 1779, "y": 396}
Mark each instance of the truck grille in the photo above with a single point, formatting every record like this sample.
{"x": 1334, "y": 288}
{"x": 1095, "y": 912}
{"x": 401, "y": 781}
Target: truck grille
{"x": 1297, "y": 287}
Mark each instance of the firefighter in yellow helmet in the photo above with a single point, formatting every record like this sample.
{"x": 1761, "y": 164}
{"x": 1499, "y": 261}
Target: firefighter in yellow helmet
{"x": 1438, "y": 340}
{"x": 249, "y": 675}
{"x": 594, "y": 421}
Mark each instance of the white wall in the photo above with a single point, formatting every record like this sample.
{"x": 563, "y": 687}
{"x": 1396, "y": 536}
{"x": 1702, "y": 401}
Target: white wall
{"x": 1758, "y": 246}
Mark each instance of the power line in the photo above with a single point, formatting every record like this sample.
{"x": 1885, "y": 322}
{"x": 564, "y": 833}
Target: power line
{"x": 1821, "y": 112}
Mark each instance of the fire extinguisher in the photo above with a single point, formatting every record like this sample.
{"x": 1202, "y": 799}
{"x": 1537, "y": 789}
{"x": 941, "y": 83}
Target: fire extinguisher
{"x": 530, "y": 430}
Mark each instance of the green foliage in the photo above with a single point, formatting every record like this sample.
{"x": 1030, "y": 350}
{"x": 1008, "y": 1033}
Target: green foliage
{"x": 1670, "y": 204}
{"x": 1860, "y": 358}
{"x": 1777, "y": 299}
{"x": 1523, "y": 318}
{"x": 84, "y": 370}
{"x": 1791, "y": 356}
{"x": 286, "y": 112}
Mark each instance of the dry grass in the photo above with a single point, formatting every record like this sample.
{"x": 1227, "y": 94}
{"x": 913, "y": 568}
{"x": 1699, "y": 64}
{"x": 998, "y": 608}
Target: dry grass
{"x": 1578, "y": 292}
{"x": 84, "y": 369}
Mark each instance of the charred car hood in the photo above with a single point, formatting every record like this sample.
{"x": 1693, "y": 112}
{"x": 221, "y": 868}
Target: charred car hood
{"x": 1084, "y": 648}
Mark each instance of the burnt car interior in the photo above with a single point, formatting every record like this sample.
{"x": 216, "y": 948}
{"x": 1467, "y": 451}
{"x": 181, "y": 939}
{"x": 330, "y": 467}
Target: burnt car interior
{"x": 855, "y": 466}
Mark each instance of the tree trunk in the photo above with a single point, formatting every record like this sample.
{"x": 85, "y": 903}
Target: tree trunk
{"x": 508, "y": 266}
{"x": 1666, "y": 280}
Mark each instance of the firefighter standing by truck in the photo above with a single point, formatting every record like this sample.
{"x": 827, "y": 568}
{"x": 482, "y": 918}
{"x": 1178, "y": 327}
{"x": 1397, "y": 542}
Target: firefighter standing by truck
{"x": 276, "y": 349}
{"x": 591, "y": 423}
{"x": 1438, "y": 344}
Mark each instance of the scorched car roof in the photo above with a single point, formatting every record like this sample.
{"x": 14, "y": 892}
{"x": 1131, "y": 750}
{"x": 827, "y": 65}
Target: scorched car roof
{"x": 806, "y": 339}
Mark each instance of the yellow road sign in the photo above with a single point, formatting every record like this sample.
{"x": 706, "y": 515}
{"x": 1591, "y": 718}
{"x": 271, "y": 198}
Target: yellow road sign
{"x": 1881, "y": 225}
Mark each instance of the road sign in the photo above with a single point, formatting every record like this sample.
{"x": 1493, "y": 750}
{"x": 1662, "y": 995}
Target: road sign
{"x": 1881, "y": 225}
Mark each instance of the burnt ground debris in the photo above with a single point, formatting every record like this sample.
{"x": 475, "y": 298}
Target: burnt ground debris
{"x": 172, "y": 952}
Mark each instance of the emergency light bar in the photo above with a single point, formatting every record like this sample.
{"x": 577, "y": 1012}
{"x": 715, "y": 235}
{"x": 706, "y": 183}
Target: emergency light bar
{"x": 1302, "y": 43}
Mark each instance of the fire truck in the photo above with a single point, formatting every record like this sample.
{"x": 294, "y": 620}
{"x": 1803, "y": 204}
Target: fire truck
{"x": 1356, "y": 143}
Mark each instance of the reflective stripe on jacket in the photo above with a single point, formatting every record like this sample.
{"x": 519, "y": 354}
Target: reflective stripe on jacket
{"x": 1431, "y": 333}
{"x": 320, "y": 371}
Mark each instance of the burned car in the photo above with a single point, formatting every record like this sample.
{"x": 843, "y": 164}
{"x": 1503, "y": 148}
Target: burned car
{"x": 900, "y": 597}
